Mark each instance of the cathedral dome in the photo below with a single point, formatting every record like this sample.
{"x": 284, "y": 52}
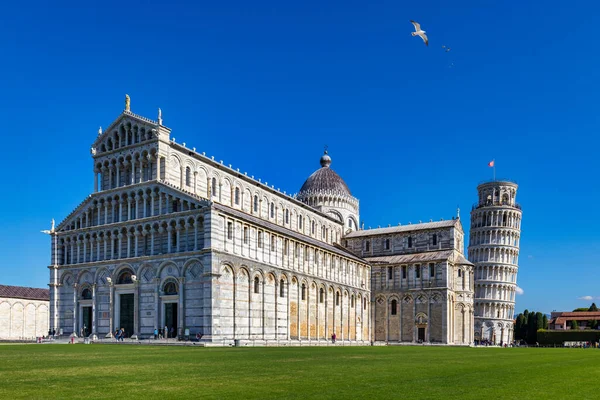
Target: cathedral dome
{"x": 324, "y": 180}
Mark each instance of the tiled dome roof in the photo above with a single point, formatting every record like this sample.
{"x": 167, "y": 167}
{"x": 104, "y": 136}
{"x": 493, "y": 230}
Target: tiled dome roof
{"x": 324, "y": 180}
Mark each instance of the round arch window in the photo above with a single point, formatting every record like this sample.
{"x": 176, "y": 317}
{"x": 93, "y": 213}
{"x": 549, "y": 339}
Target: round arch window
{"x": 170, "y": 288}
{"x": 124, "y": 278}
{"x": 86, "y": 294}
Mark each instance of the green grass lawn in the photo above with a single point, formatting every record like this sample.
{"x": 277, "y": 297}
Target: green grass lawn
{"x": 125, "y": 372}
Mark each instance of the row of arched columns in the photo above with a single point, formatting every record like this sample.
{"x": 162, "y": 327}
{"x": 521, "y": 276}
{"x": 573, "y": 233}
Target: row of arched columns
{"x": 495, "y": 291}
{"x": 497, "y": 195}
{"x": 505, "y": 273}
{"x": 337, "y": 200}
{"x": 494, "y": 331}
{"x": 496, "y": 218}
{"x": 159, "y": 237}
{"x": 125, "y": 134}
{"x": 128, "y": 206}
{"x": 494, "y": 254}
{"x": 497, "y": 310}
{"x": 494, "y": 236}
{"x": 124, "y": 170}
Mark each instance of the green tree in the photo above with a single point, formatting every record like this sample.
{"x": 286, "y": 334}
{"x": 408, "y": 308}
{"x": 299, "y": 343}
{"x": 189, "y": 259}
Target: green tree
{"x": 519, "y": 327}
{"x": 593, "y": 307}
{"x": 581, "y": 309}
{"x": 524, "y": 327}
{"x": 593, "y": 324}
{"x": 531, "y": 328}
{"x": 545, "y": 322}
{"x": 539, "y": 323}
{"x": 574, "y": 325}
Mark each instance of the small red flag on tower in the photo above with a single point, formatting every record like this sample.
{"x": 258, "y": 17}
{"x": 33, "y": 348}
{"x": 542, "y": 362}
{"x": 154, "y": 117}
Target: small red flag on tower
{"x": 491, "y": 163}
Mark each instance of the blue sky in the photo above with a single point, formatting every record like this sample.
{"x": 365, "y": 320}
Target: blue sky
{"x": 265, "y": 85}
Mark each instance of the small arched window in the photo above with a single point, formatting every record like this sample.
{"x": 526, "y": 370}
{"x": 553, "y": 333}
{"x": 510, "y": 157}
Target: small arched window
{"x": 299, "y": 221}
{"x": 272, "y": 210}
{"x": 459, "y": 273}
{"x": 287, "y": 216}
{"x": 255, "y": 203}
{"x": 314, "y": 227}
{"x": 337, "y": 299}
{"x": 350, "y": 223}
{"x": 387, "y": 244}
{"x": 394, "y": 307}
{"x": 282, "y": 288}
{"x": 124, "y": 278}
{"x": 321, "y": 295}
{"x": 434, "y": 239}
{"x": 214, "y": 186}
{"x": 367, "y": 246}
{"x": 352, "y": 301}
{"x": 237, "y": 196}
{"x": 170, "y": 289}
{"x": 410, "y": 241}
{"x": 188, "y": 176}
{"x": 256, "y": 285}
{"x": 303, "y": 291}
{"x": 365, "y": 303}
{"x": 86, "y": 294}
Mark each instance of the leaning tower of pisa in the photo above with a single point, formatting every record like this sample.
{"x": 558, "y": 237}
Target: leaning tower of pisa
{"x": 494, "y": 249}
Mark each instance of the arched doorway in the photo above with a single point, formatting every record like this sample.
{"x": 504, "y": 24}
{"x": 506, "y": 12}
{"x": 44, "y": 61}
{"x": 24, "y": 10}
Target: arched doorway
{"x": 125, "y": 312}
{"x": 170, "y": 304}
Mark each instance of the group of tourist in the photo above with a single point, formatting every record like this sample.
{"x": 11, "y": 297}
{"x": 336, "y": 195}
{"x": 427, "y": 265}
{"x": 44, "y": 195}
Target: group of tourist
{"x": 164, "y": 333}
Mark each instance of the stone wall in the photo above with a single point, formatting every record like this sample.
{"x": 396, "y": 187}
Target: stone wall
{"x": 23, "y": 318}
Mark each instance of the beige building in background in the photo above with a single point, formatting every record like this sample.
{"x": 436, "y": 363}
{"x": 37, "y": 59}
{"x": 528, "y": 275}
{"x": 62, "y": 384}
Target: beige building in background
{"x": 23, "y": 312}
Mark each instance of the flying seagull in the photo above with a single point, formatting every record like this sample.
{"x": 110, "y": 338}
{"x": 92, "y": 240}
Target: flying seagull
{"x": 419, "y": 32}
{"x": 446, "y": 48}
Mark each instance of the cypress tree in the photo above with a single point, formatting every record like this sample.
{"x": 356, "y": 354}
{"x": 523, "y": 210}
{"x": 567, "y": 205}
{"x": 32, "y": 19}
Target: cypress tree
{"x": 519, "y": 327}
{"x": 593, "y": 307}
{"x": 545, "y": 322}
{"x": 531, "y": 328}
{"x": 539, "y": 323}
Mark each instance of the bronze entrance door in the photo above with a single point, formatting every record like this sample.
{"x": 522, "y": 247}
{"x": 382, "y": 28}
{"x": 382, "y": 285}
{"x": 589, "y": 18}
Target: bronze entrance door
{"x": 421, "y": 334}
{"x": 87, "y": 320}
{"x": 126, "y": 314}
{"x": 171, "y": 318}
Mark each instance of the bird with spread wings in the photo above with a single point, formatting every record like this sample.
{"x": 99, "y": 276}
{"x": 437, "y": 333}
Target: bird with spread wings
{"x": 419, "y": 32}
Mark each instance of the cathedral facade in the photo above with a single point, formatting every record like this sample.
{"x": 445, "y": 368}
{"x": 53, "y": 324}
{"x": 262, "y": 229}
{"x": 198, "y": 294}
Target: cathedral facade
{"x": 173, "y": 239}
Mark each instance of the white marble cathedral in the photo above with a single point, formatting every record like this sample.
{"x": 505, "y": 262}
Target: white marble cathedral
{"x": 173, "y": 238}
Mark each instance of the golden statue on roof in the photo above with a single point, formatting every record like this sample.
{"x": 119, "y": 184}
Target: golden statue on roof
{"x": 127, "y": 103}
